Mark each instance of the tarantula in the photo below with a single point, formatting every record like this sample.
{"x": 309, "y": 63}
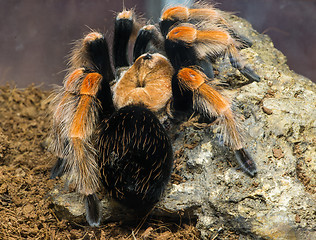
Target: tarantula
{"x": 109, "y": 129}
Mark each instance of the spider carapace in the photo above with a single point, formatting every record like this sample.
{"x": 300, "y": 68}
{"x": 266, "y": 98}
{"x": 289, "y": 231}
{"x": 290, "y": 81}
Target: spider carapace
{"x": 108, "y": 129}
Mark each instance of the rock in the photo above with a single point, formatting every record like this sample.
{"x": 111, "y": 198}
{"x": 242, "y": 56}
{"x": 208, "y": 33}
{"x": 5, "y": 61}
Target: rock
{"x": 279, "y": 118}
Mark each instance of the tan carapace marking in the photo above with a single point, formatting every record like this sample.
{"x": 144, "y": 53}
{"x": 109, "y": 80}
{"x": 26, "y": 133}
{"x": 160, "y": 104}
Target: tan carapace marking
{"x": 146, "y": 82}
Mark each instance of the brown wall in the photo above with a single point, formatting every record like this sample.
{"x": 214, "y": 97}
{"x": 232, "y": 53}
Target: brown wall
{"x": 36, "y": 34}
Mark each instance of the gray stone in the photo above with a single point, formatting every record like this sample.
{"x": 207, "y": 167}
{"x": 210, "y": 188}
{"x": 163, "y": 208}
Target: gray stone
{"x": 279, "y": 117}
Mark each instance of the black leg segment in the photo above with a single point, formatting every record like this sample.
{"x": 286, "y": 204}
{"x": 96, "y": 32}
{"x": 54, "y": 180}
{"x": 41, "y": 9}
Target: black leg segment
{"x": 246, "y": 162}
{"x": 122, "y": 31}
{"x": 58, "y": 169}
{"x": 93, "y": 210}
{"x": 141, "y": 43}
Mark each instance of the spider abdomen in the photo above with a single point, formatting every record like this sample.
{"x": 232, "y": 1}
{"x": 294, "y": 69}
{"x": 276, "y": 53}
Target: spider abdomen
{"x": 135, "y": 157}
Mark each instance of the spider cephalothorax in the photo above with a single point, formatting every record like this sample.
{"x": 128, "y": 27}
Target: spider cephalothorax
{"x": 140, "y": 84}
{"x": 109, "y": 131}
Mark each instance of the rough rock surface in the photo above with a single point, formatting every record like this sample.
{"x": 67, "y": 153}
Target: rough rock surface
{"x": 279, "y": 118}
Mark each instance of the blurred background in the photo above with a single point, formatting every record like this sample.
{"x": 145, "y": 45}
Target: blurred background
{"x": 36, "y": 35}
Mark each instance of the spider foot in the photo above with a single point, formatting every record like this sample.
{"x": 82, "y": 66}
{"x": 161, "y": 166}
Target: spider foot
{"x": 246, "y": 162}
{"x": 206, "y": 67}
{"x": 93, "y": 210}
{"x": 245, "y": 42}
{"x": 244, "y": 70}
{"x": 250, "y": 74}
{"x": 58, "y": 169}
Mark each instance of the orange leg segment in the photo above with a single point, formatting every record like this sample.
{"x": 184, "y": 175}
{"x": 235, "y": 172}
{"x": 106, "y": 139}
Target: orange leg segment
{"x": 89, "y": 88}
{"x": 176, "y": 13}
{"x": 90, "y": 84}
{"x": 214, "y": 104}
{"x": 184, "y": 33}
{"x": 221, "y": 37}
{"x": 73, "y": 80}
{"x": 78, "y": 125}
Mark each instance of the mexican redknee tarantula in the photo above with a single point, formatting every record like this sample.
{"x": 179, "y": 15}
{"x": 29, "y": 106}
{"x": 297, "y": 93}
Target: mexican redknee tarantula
{"x": 108, "y": 130}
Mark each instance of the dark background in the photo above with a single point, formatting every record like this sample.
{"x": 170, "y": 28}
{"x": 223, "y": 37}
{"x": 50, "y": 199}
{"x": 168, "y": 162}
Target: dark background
{"x": 36, "y": 35}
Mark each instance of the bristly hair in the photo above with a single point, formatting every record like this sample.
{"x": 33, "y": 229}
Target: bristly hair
{"x": 208, "y": 100}
{"x": 216, "y": 40}
{"x": 75, "y": 116}
{"x": 218, "y": 16}
{"x": 93, "y": 210}
{"x": 138, "y": 21}
{"x": 149, "y": 39}
{"x": 81, "y": 166}
{"x": 211, "y": 43}
{"x": 79, "y": 56}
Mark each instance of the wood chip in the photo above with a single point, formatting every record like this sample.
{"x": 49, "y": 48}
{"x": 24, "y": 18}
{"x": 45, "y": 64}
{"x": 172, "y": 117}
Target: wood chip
{"x": 267, "y": 110}
{"x": 277, "y": 153}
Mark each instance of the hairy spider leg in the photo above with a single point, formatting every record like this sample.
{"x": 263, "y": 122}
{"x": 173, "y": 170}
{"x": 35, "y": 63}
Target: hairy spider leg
{"x": 126, "y": 27}
{"x": 81, "y": 161}
{"x": 122, "y": 31}
{"x": 135, "y": 157}
{"x": 78, "y": 108}
{"x": 92, "y": 55}
{"x": 211, "y": 44}
{"x": 74, "y": 121}
{"x": 197, "y": 14}
{"x": 182, "y": 54}
{"x": 209, "y": 101}
{"x": 220, "y": 39}
{"x": 58, "y": 169}
{"x": 171, "y": 16}
{"x": 149, "y": 39}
